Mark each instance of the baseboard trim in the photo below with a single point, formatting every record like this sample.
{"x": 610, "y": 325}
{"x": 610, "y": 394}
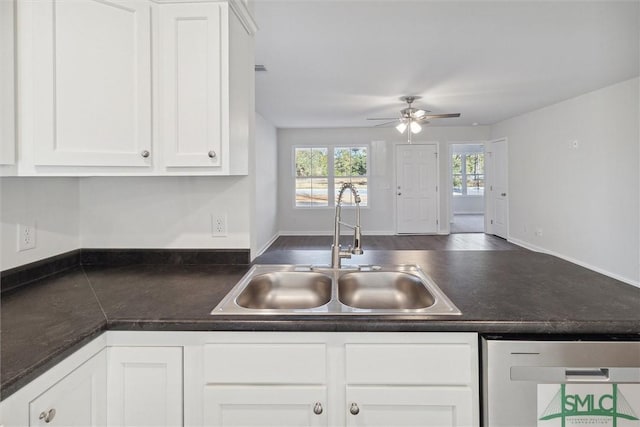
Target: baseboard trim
{"x": 535, "y": 248}
{"x": 266, "y": 246}
{"x": 330, "y": 233}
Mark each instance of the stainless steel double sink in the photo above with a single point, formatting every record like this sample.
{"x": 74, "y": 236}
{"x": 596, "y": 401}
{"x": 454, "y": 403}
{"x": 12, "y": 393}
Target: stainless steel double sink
{"x": 299, "y": 289}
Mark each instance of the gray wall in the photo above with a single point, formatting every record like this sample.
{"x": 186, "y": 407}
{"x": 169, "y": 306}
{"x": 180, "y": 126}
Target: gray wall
{"x": 379, "y": 217}
{"x": 584, "y": 199}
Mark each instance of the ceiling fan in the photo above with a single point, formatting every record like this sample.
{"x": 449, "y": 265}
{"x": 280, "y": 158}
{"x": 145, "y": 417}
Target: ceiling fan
{"x": 412, "y": 118}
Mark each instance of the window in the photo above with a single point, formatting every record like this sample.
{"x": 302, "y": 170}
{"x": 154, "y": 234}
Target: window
{"x": 312, "y": 180}
{"x": 350, "y": 165}
{"x": 317, "y": 169}
{"x": 468, "y": 174}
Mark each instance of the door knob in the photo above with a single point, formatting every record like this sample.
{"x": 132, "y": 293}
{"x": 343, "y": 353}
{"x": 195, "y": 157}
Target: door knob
{"x": 354, "y": 409}
{"x": 47, "y": 416}
{"x": 317, "y": 408}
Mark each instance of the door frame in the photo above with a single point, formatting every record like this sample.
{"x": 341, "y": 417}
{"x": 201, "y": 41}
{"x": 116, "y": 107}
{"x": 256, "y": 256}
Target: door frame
{"x": 449, "y": 184}
{"x": 489, "y": 181}
{"x": 395, "y": 182}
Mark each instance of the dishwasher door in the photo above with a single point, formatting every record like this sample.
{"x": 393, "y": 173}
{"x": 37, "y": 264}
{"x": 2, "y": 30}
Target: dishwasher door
{"x": 560, "y": 383}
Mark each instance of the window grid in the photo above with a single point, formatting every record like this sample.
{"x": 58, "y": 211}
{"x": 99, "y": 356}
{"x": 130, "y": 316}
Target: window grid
{"x": 318, "y": 169}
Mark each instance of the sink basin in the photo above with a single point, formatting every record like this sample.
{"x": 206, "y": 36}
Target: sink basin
{"x": 322, "y": 290}
{"x": 286, "y": 290}
{"x": 384, "y": 290}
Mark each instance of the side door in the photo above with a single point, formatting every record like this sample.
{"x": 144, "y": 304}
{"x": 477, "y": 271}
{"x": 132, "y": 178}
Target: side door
{"x": 498, "y": 198}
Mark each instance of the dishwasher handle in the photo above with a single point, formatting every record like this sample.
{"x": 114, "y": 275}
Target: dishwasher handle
{"x": 595, "y": 374}
{"x": 565, "y": 374}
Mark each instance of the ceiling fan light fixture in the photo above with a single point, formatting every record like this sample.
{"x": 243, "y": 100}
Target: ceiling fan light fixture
{"x": 419, "y": 113}
{"x": 415, "y": 127}
{"x": 402, "y": 126}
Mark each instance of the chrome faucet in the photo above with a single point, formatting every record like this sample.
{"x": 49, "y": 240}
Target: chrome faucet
{"x": 356, "y": 249}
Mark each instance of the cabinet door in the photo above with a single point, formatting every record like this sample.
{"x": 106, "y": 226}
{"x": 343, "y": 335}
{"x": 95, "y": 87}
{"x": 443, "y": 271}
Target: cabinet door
{"x": 409, "y": 406}
{"x": 265, "y": 406}
{"x": 79, "y": 399}
{"x": 91, "y": 82}
{"x": 7, "y": 94}
{"x": 144, "y": 386}
{"x": 193, "y": 66}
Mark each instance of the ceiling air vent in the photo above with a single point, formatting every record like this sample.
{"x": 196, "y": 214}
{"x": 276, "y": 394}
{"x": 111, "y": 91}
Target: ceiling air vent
{"x": 260, "y": 67}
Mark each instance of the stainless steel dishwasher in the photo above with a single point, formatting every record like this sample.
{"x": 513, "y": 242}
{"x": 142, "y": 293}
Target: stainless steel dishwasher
{"x": 561, "y": 383}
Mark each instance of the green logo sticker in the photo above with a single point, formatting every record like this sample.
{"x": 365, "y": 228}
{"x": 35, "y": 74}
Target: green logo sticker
{"x": 612, "y": 405}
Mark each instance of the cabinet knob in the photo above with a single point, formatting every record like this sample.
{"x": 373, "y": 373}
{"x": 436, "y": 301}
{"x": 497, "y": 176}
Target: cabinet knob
{"x": 504, "y": 194}
{"x": 317, "y": 408}
{"x": 47, "y": 416}
{"x": 399, "y": 194}
{"x": 354, "y": 409}
{"x": 145, "y": 153}
{"x": 212, "y": 154}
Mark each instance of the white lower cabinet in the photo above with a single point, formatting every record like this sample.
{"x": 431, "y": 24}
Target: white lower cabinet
{"x": 258, "y": 379}
{"x": 144, "y": 386}
{"x": 273, "y": 406}
{"x": 72, "y": 393}
{"x": 79, "y": 399}
{"x": 338, "y": 379}
{"x": 387, "y": 406}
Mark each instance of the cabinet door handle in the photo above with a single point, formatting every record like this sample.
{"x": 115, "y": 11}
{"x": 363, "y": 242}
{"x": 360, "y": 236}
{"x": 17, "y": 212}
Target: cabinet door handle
{"x": 212, "y": 154}
{"x": 145, "y": 153}
{"x": 47, "y": 416}
{"x": 354, "y": 409}
{"x": 317, "y": 408}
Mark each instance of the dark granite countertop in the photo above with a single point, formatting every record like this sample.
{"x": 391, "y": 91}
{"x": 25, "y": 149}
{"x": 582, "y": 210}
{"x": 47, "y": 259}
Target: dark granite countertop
{"x": 498, "y": 292}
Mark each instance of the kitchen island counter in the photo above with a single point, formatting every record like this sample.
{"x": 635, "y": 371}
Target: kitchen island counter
{"x": 498, "y": 292}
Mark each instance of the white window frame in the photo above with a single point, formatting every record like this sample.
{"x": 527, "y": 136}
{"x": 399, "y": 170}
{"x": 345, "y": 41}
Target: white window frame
{"x": 331, "y": 177}
{"x": 464, "y": 176}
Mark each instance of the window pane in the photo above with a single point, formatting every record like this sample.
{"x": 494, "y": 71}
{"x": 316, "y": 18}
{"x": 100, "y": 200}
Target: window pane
{"x": 350, "y": 161}
{"x": 360, "y": 184}
{"x": 319, "y": 161}
{"x": 457, "y": 164}
{"x": 311, "y": 162}
{"x": 475, "y": 185}
{"x": 312, "y": 192}
{"x": 457, "y": 184}
{"x": 475, "y": 163}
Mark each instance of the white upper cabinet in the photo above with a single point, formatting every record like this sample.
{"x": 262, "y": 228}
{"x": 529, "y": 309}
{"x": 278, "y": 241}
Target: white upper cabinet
{"x": 193, "y": 43}
{"x": 7, "y": 99}
{"x": 91, "y": 71}
{"x": 134, "y": 87}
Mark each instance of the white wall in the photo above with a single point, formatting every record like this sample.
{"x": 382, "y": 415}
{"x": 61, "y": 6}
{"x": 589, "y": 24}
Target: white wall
{"x": 586, "y": 199}
{"x": 468, "y": 205}
{"x": 379, "y": 217}
{"x": 52, "y": 204}
{"x": 266, "y": 185}
{"x": 163, "y": 212}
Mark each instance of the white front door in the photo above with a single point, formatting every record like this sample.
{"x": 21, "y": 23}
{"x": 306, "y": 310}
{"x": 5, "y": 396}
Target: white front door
{"x": 416, "y": 189}
{"x": 498, "y": 188}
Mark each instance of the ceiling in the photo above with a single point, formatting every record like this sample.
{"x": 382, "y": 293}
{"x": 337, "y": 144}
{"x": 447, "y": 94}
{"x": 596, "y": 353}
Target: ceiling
{"x": 333, "y": 63}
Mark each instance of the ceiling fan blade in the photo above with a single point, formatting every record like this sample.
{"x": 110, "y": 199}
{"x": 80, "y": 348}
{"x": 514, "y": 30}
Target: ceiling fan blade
{"x": 387, "y": 123}
{"x": 440, "y": 116}
{"x": 385, "y": 118}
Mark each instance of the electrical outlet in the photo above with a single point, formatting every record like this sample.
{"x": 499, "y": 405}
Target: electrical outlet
{"x": 219, "y": 225}
{"x": 26, "y": 236}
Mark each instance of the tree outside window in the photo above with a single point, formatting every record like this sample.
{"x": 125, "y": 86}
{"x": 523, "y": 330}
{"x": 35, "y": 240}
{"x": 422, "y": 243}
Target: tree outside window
{"x": 315, "y": 175}
{"x": 312, "y": 179}
{"x": 468, "y": 174}
{"x": 350, "y": 165}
